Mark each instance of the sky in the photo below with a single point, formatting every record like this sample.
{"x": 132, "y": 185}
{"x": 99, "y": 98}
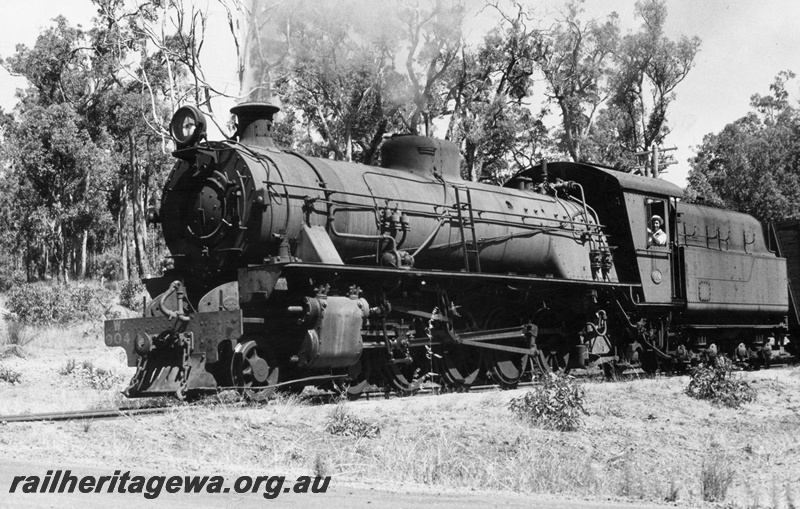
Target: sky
{"x": 745, "y": 44}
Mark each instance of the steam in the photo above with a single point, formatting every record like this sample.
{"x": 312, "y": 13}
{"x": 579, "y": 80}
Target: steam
{"x": 270, "y": 37}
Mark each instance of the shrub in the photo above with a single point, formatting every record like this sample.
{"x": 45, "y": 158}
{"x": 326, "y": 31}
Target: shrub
{"x": 130, "y": 294}
{"x": 9, "y": 375}
{"x": 87, "y": 374}
{"x": 10, "y": 278}
{"x": 557, "y": 404}
{"x": 110, "y": 266}
{"x": 714, "y": 382}
{"x": 41, "y": 304}
{"x": 342, "y": 423}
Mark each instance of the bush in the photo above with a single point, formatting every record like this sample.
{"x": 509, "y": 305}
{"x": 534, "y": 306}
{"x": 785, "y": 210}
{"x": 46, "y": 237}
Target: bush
{"x": 714, "y": 382}
{"x": 9, "y": 375}
{"x": 87, "y": 374}
{"x": 343, "y": 424}
{"x": 557, "y": 404}
{"x": 130, "y": 294}
{"x": 9, "y": 278}
{"x": 110, "y": 266}
{"x": 42, "y": 304}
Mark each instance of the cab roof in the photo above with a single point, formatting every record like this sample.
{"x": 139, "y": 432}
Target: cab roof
{"x": 601, "y": 176}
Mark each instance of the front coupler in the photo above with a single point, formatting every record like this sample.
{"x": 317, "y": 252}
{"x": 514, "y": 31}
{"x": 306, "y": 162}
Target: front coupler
{"x": 171, "y": 353}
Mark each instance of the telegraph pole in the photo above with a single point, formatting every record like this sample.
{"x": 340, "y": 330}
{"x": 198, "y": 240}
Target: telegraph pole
{"x": 654, "y": 161}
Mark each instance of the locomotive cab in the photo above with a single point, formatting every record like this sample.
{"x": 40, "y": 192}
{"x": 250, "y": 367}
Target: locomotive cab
{"x": 624, "y": 205}
{"x": 653, "y": 234}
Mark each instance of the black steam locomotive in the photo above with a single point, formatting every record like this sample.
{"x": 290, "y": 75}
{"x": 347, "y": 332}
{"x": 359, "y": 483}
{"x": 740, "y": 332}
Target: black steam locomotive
{"x": 291, "y": 271}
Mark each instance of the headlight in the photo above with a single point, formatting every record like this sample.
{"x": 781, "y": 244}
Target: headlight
{"x": 188, "y": 125}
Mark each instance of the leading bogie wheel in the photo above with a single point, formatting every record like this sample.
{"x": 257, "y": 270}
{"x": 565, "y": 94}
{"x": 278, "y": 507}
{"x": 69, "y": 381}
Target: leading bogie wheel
{"x": 254, "y": 371}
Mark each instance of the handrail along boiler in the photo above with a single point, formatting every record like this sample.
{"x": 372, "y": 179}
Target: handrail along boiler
{"x": 290, "y": 270}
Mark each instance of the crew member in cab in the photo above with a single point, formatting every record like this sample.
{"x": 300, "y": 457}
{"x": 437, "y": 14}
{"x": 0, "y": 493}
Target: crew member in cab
{"x": 657, "y": 235}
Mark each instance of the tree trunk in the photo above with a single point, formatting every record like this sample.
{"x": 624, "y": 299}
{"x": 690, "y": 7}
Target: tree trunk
{"x": 60, "y": 254}
{"x": 138, "y": 211}
{"x": 348, "y": 140}
{"x": 46, "y": 265}
{"x": 470, "y": 153}
{"x": 84, "y": 252}
{"x": 122, "y": 228}
{"x": 64, "y": 263}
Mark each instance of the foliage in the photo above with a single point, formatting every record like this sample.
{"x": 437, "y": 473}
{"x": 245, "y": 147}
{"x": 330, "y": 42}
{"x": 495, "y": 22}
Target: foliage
{"x": 87, "y": 374}
{"x": 9, "y": 375}
{"x": 649, "y": 66}
{"x": 10, "y": 277}
{"x": 130, "y": 294}
{"x": 110, "y": 266}
{"x": 556, "y": 404}
{"x": 342, "y": 423}
{"x": 86, "y": 145}
{"x": 714, "y": 382}
{"x": 752, "y": 164}
{"x": 488, "y": 88}
{"x": 353, "y": 71}
{"x": 41, "y": 303}
{"x": 58, "y": 169}
{"x": 576, "y": 58}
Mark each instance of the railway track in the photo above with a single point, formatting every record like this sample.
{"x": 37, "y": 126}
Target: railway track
{"x": 320, "y": 398}
{"x": 111, "y": 413}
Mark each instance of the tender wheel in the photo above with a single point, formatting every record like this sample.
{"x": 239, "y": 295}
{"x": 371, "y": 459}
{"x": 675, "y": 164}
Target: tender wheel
{"x": 254, "y": 371}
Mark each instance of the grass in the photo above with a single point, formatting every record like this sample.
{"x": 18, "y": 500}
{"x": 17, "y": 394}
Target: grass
{"x": 716, "y": 475}
{"x": 14, "y": 338}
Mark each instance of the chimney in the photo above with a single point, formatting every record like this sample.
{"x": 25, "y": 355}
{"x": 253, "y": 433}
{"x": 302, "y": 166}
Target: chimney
{"x": 254, "y": 123}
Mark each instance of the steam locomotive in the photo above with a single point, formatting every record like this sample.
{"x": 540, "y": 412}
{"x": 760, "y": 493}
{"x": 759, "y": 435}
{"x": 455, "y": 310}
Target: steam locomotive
{"x": 290, "y": 271}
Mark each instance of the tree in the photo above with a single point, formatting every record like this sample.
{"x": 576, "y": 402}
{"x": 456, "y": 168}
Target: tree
{"x": 434, "y": 40}
{"x": 491, "y": 118}
{"x": 753, "y": 164}
{"x": 153, "y": 51}
{"x": 119, "y": 79}
{"x": 351, "y": 71}
{"x": 339, "y": 80}
{"x": 57, "y": 168}
{"x": 55, "y": 153}
{"x": 576, "y": 62}
{"x": 649, "y": 66}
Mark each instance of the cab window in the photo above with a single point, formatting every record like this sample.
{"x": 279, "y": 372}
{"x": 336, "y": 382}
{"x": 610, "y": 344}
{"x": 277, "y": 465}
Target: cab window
{"x": 656, "y": 217}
